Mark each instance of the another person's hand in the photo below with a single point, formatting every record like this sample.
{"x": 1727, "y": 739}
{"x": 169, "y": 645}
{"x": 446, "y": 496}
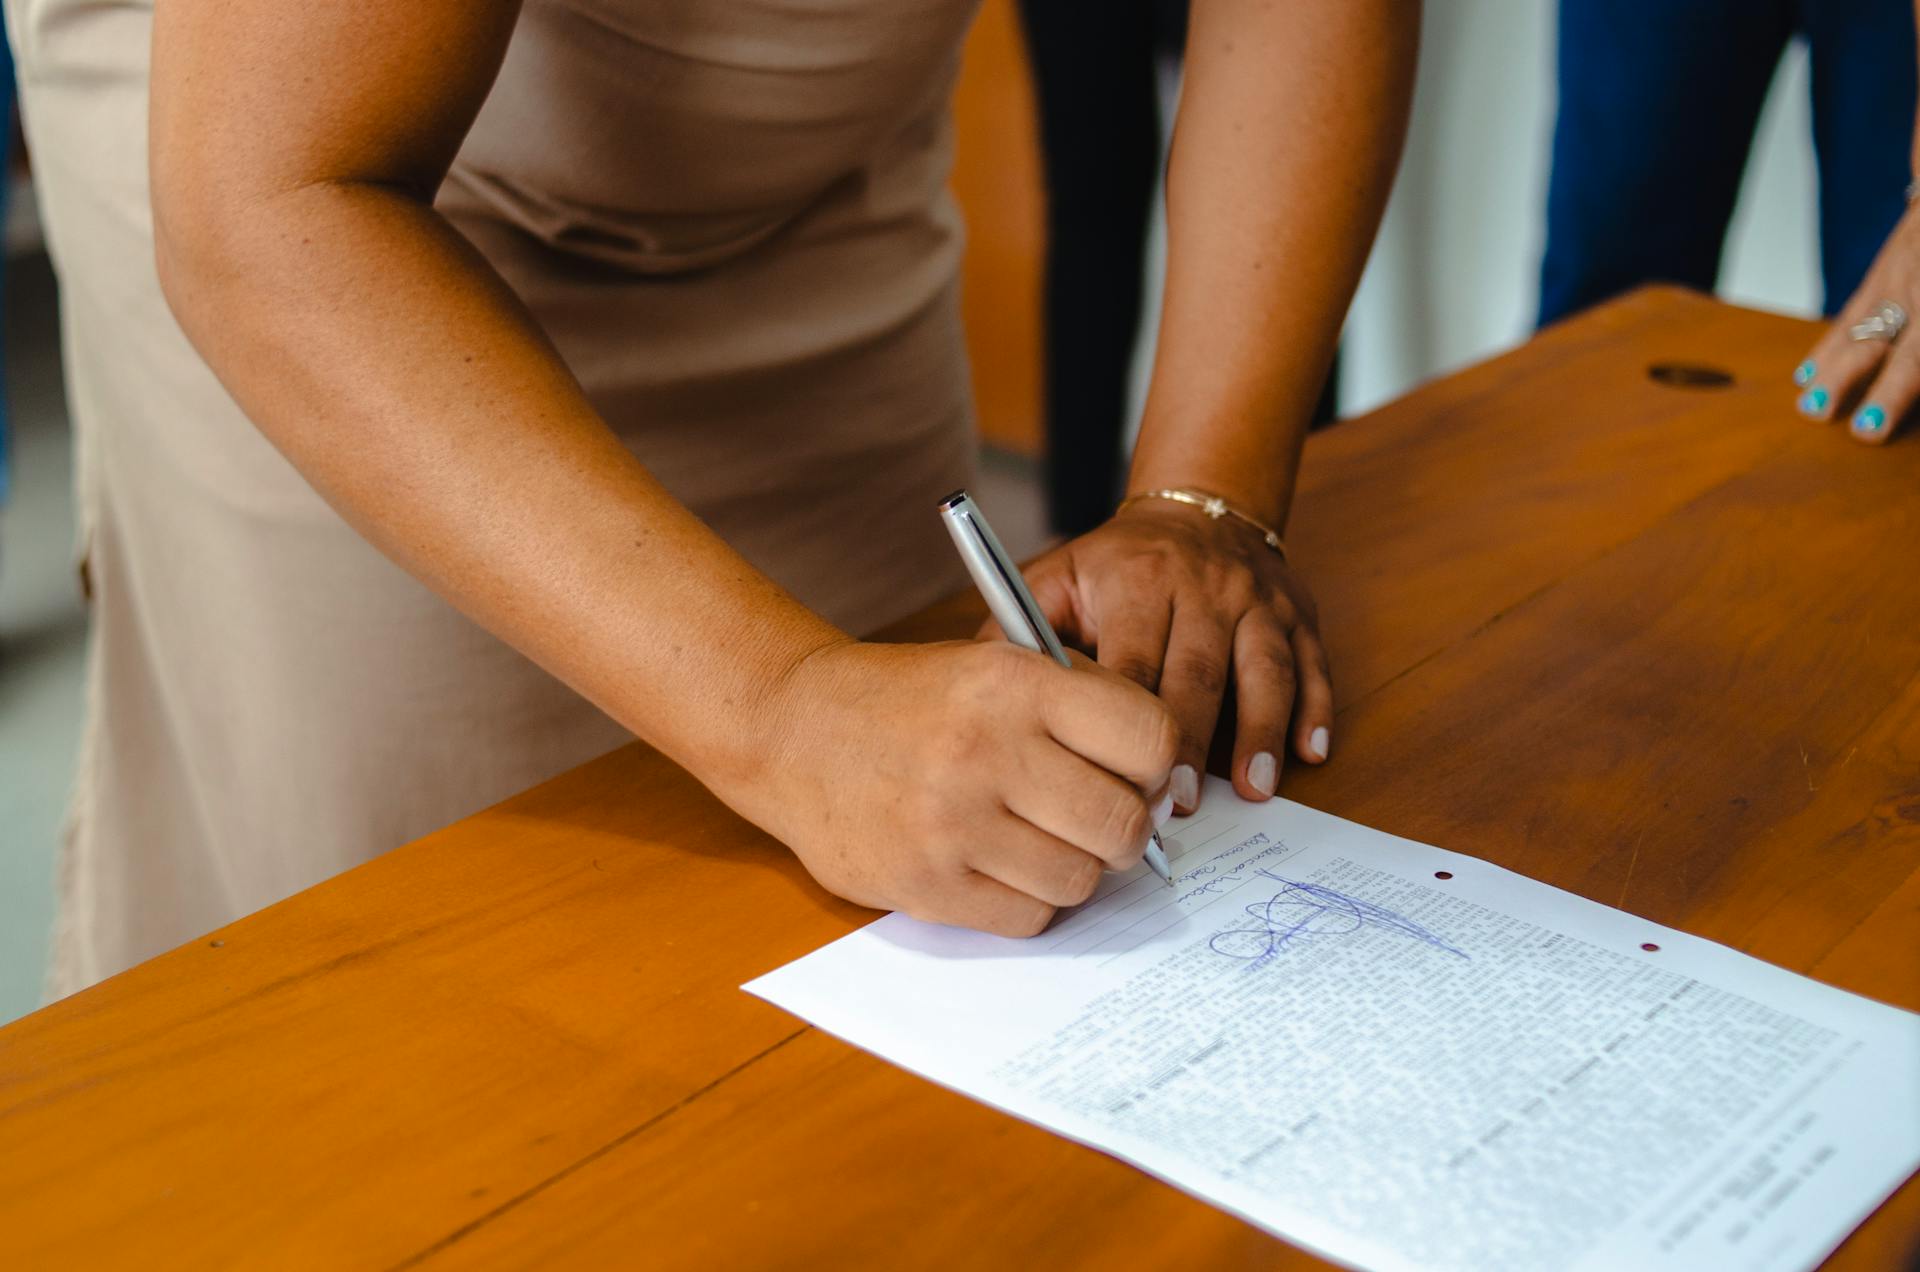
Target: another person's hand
{"x": 1185, "y": 604}
{"x": 1866, "y": 368}
{"x": 979, "y": 785}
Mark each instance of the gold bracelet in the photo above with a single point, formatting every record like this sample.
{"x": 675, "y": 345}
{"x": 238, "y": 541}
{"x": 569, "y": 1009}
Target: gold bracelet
{"x": 1215, "y": 507}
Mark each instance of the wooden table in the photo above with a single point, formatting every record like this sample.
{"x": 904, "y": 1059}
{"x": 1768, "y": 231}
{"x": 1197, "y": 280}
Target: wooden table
{"x": 1656, "y": 645}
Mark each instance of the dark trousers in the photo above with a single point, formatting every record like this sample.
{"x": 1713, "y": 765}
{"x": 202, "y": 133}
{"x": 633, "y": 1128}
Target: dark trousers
{"x": 1658, "y": 103}
{"x": 1094, "y": 71}
{"x": 6, "y": 173}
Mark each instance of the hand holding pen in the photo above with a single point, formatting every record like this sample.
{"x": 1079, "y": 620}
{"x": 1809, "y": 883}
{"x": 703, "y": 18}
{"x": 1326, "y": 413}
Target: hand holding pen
{"x": 968, "y": 783}
{"x": 998, "y": 577}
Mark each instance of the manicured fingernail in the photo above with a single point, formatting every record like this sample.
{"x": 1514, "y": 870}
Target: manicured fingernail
{"x": 1814, "y": 400}
{"x": 1870, "y": 420}
{"x": 1261, "y": 773}
{"x": 1803, "y": 374}
{"x": 1186, "y": 786}
{"x": 1318, "y": 740}
{"x": 1163, "y": 810}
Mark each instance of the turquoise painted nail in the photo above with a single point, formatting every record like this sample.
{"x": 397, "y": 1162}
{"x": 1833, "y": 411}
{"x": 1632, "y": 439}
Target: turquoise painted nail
{"x": 1870, "y": 419}
{"x": 1814, "y": 400}
{"x": 1803, "y": 374}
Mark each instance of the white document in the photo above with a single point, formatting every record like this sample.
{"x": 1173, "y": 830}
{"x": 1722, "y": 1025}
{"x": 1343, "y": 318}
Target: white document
{"x": 1403, "y": 1058}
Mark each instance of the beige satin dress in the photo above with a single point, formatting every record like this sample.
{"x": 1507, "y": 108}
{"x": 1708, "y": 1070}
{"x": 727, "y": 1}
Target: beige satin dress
{"x": 732, "y": 219}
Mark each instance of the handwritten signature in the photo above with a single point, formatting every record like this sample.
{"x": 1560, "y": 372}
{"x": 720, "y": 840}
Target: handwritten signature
{"x": 1302, "y": 910}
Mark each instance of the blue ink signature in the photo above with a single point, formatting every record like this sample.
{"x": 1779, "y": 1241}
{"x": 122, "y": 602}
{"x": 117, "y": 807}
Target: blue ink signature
{"x": 1300, "y": 910}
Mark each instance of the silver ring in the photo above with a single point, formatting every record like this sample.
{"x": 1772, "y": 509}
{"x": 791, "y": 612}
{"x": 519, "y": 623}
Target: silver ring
{"x": 1885, "y": 323}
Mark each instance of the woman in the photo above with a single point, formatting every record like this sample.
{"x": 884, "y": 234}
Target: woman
{"x": 629, "y": 330}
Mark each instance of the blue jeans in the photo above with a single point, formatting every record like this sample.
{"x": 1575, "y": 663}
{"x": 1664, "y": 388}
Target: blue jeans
{"x": 1658, "y": 102}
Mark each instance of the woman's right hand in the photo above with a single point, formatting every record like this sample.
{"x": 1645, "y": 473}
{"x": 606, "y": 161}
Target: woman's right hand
{"x": 974, "y": 784}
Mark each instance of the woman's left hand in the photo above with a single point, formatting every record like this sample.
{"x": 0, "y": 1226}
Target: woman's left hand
{"x": 1186, "y": 605}
{"x": 1873, "y": 382}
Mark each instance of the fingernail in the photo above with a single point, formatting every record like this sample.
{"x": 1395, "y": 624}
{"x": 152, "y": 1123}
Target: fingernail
{"x": 1261, "y": 773}
{"x": 1163, "y": 810}
{"x": 1869, "y": 420}
{"x": 1186, "y": 786}
{"x": 1814, "y": 400}
{"x": 1318, "y": 740}
{"x": 1803, "y": 374}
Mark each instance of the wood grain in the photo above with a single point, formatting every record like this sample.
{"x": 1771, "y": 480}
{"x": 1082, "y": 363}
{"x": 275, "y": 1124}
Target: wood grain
{"x": 1659, "y": 647}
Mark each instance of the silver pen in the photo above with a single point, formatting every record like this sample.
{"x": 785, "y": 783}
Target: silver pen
{"x": 1014, "y": 608}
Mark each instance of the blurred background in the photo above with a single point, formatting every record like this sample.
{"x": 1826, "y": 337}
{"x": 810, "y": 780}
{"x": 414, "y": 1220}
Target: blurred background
{"x": 1453, "y": 278}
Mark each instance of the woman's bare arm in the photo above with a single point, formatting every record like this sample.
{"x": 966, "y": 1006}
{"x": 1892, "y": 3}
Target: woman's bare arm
{"x": 1290, "y": 124}
{"x": 1291, "y": 120}
{"x": 296, "y": 148}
